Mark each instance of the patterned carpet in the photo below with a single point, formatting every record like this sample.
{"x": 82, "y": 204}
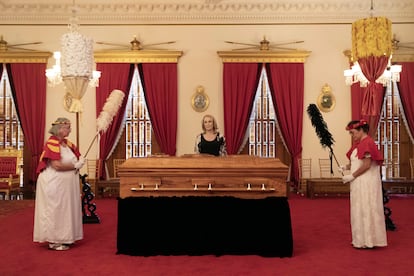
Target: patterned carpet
{"x": 8, "y": 207}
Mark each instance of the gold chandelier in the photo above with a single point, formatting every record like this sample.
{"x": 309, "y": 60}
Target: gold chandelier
{"x": 372, "y": 37}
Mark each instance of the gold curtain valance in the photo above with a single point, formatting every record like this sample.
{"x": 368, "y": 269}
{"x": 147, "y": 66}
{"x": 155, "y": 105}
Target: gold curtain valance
{"x": 24, "y": 57}
{"x": 264, "y": 56}
{"x": 143, "y": 56}
{"x": 397, "y": 56}
{"x": 403, "y": 57}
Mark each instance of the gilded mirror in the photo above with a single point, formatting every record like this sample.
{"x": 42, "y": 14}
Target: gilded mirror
{"x": 326, "y": 99}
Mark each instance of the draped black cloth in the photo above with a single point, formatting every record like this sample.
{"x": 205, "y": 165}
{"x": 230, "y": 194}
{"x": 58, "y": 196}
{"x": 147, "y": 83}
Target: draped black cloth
{"x": 149, "y": 226}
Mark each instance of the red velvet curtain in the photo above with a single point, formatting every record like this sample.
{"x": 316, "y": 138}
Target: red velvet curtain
{"x": 373, "y": 67}
{"x": 286, "y": 82}
{"x": 406, "y": 89}
{"x": 359, "y": 98}
{"x": 28, "y": 85}
{"x": 114, "y": 76}
{"x": 240, "y": 81}
{"x": 357, "y": 94}
{"x": 159, "y": 81}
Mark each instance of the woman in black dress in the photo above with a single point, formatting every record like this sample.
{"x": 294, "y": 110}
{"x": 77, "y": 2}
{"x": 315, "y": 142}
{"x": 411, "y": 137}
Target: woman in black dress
{"x": 210, "y": 141}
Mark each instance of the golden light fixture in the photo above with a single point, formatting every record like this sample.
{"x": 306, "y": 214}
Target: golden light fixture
{"x": 372, "y": 37}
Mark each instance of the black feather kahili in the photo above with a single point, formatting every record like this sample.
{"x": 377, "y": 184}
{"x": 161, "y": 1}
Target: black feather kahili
{"x": 321, "y": 127}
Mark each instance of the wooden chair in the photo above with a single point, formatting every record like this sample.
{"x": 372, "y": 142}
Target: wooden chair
{"x": 325, "y": 168}
{"x": 92, "y": 169}
{"x": 116, "y": 163}
{"x": 10, "y": 162}
{"x": 305, "y": 173}
{"x": 102, "y": 187}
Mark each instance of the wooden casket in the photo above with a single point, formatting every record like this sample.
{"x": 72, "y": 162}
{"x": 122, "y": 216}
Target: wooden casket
{"x": 241, "y": 176}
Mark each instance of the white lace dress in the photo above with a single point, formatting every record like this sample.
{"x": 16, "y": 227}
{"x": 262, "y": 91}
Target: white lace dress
{"x": 367, "y": 209}
{"x": 58, "y": 212}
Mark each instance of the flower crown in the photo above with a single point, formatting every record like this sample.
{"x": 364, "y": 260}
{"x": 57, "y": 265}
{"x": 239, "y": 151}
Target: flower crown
{"x": 60, "y": 122}
{"x": 357, "y": 124}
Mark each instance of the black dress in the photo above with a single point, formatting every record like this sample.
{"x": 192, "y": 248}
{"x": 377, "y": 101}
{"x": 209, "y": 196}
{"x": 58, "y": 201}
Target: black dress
{"x": 215, "y": 147}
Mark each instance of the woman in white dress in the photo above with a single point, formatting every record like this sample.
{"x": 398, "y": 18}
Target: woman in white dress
{"x": 366, "y": 198}
{"x": 58, "y": 210}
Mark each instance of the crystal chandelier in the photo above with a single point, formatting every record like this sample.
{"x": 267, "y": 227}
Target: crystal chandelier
{"x": 371, "y": 39}
{"x": 74, "y": 64}
{"x": 390, "y": 74}
{"x": 54, "y": 75}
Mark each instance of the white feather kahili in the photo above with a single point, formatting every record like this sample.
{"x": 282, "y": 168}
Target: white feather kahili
{"x": 109, "y": 110}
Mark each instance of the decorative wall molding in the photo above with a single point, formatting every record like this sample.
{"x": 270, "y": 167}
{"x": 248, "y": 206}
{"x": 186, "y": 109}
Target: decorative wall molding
{"x": 137, "y": 56}
{"x": 25, "y": 57}
{"x": 160, "y": 12}
{"x": 397, "y": 56}
{"x": 403, "y": 56}
{"x": 264, "y": 56}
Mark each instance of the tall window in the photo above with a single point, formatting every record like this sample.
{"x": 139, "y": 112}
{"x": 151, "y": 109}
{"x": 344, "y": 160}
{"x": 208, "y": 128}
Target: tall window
{"x": 389, "y": 132}
{"x": 11, "y": 134}
{"x": 262, "y": 124}
{"x": 138, "y": 127}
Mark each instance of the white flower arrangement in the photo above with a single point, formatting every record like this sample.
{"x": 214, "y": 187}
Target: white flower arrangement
{"x": 77, "y": 55}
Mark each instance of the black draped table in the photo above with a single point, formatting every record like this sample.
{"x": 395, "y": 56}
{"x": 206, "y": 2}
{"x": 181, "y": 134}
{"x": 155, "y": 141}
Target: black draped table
{"x": 197, "y": 225}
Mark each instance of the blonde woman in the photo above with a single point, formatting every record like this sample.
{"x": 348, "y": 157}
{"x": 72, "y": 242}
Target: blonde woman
{"x": 210, "y": 141}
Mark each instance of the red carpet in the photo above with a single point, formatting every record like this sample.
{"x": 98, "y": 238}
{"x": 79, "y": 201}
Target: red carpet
{"x": 321, "y": 235}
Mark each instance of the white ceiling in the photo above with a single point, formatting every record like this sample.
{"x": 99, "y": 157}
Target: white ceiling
{"x": 155, "y": 12}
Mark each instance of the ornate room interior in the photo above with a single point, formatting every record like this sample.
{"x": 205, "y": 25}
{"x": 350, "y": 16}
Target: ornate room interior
{"x": 201, "y": 35}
